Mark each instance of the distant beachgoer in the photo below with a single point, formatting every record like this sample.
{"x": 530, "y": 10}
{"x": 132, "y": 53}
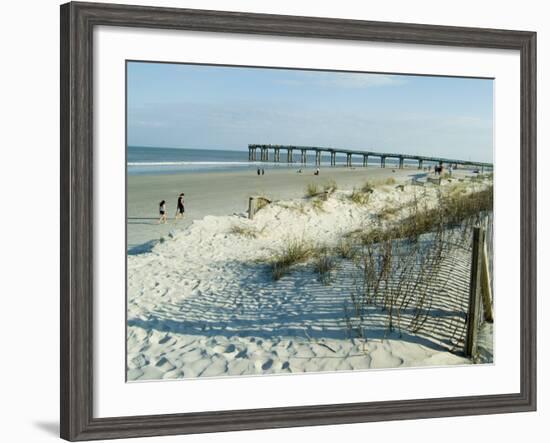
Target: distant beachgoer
{"x": 263, "y": 172}
{"x": 300, "y": 171}
{"x": 180, "y": 207}
{"x": 317, "y": 171}
{"x": 259, "y": 172}
{"x": 162, "y": 212}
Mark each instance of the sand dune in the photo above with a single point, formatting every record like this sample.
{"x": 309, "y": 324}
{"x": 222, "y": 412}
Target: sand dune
{"x": 203, "y": 302}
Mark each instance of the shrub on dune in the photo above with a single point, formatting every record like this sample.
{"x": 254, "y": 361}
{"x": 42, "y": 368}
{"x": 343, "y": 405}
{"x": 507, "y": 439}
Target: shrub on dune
{"x": 359, "y": 197}
{"x": 292, "y": 253}
{"x": 345, "y": 248}
{"x": 324, "y": 264}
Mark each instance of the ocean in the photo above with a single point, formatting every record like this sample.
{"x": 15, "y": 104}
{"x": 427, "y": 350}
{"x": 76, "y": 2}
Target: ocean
{"x": 148, "y": 160}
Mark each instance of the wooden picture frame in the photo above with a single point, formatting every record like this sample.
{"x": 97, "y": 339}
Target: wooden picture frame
{"x": 77, "y": 23}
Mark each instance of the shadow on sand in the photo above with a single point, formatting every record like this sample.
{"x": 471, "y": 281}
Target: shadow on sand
{"x": 142, "y": 248}
{"x": 298, "y": 306}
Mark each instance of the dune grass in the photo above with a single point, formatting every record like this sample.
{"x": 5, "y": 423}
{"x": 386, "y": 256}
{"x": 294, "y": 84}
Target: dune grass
{"x": 359, "y": 197}
{"x": 324, "y": 263}
{"x": 293, "y": 252}
{"x": 245, "y": 231}
{"x": 345, "y": 248}
{"x": 452, "y": 209}
{"x": 318, "y": 205}
{"x": 388, "y": 211}
{"x": 262, "y": 202}
{"x": 368, "y": 187}
{"x": 312, "y": 189}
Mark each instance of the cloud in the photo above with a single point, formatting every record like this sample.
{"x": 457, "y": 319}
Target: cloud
{"x": 345, "y": 80}
{"x": 349, "y": 80}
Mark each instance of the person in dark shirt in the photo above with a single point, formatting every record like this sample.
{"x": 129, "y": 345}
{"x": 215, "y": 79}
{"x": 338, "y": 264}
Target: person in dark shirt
{"x": 162, "y": 212}
{"x": 180, "y": 209}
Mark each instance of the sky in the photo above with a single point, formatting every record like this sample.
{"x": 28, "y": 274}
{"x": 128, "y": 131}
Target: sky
{"x": 218, "y": 107}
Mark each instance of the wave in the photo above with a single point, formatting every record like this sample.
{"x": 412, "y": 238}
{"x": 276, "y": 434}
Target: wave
{"x": 189, "y": 163}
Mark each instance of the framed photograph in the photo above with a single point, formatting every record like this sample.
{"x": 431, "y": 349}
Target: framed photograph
{"x": 273, "y": 221}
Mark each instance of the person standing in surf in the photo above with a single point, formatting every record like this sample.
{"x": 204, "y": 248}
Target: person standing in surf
{"x": 180, "y": 208}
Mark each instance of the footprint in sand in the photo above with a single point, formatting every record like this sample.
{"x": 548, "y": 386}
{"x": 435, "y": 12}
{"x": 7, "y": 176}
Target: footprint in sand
{"x": 267, "y": 365}
{"x": 242, "y": 354}
{"x": 164, "y": 339}
{"x": 165, "y": 365}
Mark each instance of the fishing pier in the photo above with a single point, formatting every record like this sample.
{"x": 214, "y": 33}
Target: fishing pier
{"x": 264, "y": 153}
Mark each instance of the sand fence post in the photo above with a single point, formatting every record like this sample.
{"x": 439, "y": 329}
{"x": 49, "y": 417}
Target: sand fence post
{"x": 251, "y": 207}
{"x": 474, "y": 305}
{"x": 486, "y": 291}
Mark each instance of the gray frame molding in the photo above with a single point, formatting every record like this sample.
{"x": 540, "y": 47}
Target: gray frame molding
{"x": 77, "y": 24}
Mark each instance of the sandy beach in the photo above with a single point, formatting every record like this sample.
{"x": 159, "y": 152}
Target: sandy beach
{"x": 225, "y": 193}
{"x": 203, "y": 301}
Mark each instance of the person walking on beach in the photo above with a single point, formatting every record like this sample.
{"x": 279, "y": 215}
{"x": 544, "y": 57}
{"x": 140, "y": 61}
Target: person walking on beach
{"x": 263, "y": 172}
{"x": 180, "y": 208}
{"x": 258, "y": 171}
{"x": 162, "y": 212}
